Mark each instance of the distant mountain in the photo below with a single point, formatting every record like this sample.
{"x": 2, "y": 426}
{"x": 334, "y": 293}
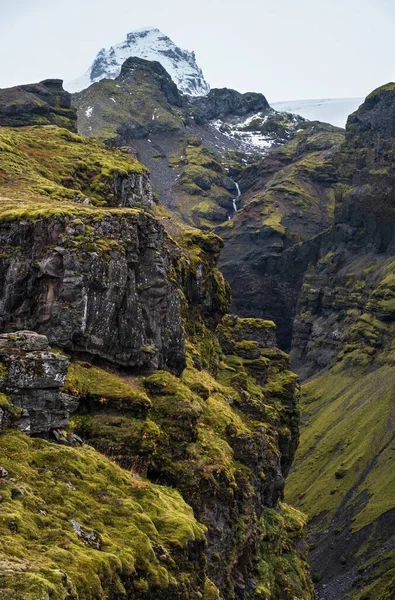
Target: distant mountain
{"x": 148, "y": 43}
{"x": 330, "y": 110}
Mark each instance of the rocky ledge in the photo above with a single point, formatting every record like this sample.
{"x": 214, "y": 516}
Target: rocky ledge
{"x": 44, "y": 103}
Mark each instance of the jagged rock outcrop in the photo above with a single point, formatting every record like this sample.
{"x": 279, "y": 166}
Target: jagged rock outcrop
{"x": 30, "y": 380}
{"x": 150, "y": 44}
{"x": 44, "y": 103}
{"x": 141, "y": 102}
{"x": 163, "y": 80}
{"x": 220, "y": 103}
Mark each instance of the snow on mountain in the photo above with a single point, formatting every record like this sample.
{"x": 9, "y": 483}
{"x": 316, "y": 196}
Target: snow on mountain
{"x": 148, "y": 43}
{"x": 259, "y": 132}
{"x": 330, "y": 110}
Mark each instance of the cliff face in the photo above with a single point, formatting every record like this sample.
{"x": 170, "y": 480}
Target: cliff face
{"x": 288, "y": 199}
{"x": 169, "y": 393}
{"x": 31, "y": 378}
{"x": 98, "y": 286}
{"x": 344, "y": 333}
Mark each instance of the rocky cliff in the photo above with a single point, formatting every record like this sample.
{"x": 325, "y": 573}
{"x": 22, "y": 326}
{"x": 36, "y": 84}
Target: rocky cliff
{"x": 152, "y": 45}
{"x": 288, "y": 199}
{"x": 190, "y": 414}
{"x": 62, "y": 274}
{"x": 31, "y": 378}
{"x": 344, "y": 333}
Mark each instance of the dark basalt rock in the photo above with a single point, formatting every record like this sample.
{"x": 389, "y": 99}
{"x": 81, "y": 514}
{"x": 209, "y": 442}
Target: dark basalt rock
{"x": 163, "y": 80}
{"x": 44, "y": 103}
{"x": 220, "y": 103}
{"x": 364, "y": 228}
{"x": 109, "y": 295}
{"x": 31, "y": 379}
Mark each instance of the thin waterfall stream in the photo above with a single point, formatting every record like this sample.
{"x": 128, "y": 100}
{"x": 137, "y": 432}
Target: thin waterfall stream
{"x": 237, "y": 197}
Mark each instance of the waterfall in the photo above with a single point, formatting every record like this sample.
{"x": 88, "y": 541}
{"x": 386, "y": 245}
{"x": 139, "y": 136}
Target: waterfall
{"x": 237, "y": 197}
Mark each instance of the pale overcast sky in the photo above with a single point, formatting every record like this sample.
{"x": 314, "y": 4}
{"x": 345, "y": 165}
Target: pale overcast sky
{"x": 286, "y": 49}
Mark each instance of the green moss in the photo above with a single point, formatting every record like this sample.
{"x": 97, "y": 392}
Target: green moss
{"x": 44, "y": 556}
{"x": 273, "y": 221}
{"x": 8, "y": 407}
{"x": 49, "y": 168}
{"x": 87, "y": 381}
{"x": 346, "y": 432}
{"x": 389, "y": 87}
{"x": 255, "y": 323}
{"x": 291, "y": 568}
{"x": 3, "y": 371}
{"x": 202, "y": 173}
{"x": 133, "y": 101}
{"x": 210, "y": 590}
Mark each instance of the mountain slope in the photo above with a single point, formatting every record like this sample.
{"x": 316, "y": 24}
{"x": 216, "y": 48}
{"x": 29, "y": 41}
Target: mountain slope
{"x": 191, "y": 145}
{"x": 148, "y": 43}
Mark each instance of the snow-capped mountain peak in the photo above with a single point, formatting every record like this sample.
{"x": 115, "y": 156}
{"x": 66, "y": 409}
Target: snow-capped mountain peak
{"x": 151, "y": 44}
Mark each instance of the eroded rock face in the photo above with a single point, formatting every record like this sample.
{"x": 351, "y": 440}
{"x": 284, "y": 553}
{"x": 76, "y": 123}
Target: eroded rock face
{"x": 133, "y": 191}
{"x": 100, "y": 286}
{"x": 31, "y": 378}
{"x": 287, "y": 202}
{"x": 346, "y": 280}
{"x": 226, "y": 443}
{"x": 343, "y": 335}
{"x": 44, "y": 103}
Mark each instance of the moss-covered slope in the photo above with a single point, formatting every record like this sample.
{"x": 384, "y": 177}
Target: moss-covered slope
{"x": 74, "y": 525}
{"x": 44, "y": 103}
{"x": 141, "y": 101}
{"x": 344, "y": 480}
{"x": 223, "y": 441}
{"x": 50, "y": 169}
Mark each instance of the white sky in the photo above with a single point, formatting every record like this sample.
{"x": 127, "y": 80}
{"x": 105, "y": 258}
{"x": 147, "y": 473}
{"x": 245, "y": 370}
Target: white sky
{"x": 285, "y": 49}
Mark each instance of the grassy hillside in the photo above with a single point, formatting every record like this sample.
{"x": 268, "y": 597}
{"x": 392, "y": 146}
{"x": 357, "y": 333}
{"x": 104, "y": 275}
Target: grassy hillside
{"x": 48, "y": 169}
